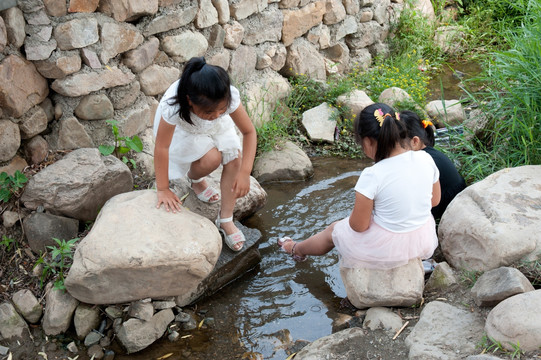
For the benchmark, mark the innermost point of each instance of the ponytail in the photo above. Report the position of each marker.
(380, 122)
(205, 85)
(424, 129)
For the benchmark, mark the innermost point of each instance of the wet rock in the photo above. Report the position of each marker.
(58, 311)
(320, 123)
(501, 220)
(287, 163)
(12, 325)
(86, 181)
(445, 332)
(499, 284)
(135, 334)
(173, 336)
(42, 228)
(27, 305)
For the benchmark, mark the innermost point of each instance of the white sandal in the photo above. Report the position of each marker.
(233, 239)
(206, 194)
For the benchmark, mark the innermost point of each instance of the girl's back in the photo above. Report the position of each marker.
(401, 187)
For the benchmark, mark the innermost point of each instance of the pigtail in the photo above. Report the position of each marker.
(391, 133)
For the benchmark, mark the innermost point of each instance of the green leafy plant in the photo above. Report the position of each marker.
(122, 146)
(61, 256)
(10, 185)
(7, 242)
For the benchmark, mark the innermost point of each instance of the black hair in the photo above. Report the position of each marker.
(388, 133)
(416, 127)
(205, 85)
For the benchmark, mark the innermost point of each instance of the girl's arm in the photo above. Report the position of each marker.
(436, 193)
(359, 219)
(161, 166)
(241, 185)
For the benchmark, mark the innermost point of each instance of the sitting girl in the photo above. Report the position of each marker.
(391, 221)
(421, 136)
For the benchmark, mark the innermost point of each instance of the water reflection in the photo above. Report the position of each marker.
(262, 314)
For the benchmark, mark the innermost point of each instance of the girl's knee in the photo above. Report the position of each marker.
(234, 164)
(211, 160)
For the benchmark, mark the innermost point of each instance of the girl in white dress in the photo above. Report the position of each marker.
(391, 221)
(195, 133)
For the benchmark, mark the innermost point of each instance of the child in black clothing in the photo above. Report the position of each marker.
(421, 135)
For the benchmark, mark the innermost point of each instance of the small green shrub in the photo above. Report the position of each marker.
(123, 145)
(10, 185)
(7, 242)
(61, 256)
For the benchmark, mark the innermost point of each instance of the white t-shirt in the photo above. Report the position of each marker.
(401, 187)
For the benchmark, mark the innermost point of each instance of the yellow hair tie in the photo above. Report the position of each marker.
(427, 123)
(380, 117)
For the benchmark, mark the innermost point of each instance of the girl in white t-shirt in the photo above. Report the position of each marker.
(195, 133)
(391, 221)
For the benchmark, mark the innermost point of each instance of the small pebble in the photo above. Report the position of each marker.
(72, 348)
(3, 350)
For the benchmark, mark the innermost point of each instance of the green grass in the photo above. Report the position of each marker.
(512, 99)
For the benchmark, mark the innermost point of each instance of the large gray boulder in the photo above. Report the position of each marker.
(494, 222)
(78, 185)
(517, 321)
(135, 251)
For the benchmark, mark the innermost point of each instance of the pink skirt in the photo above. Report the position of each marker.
(378, 248)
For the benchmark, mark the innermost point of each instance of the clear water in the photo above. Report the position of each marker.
(263, 314)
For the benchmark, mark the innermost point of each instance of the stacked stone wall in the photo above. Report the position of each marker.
(68, 66)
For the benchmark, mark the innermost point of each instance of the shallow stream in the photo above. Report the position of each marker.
(280, 302)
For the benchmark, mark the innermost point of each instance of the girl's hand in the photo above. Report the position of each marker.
(241, 185)
(169, 200)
